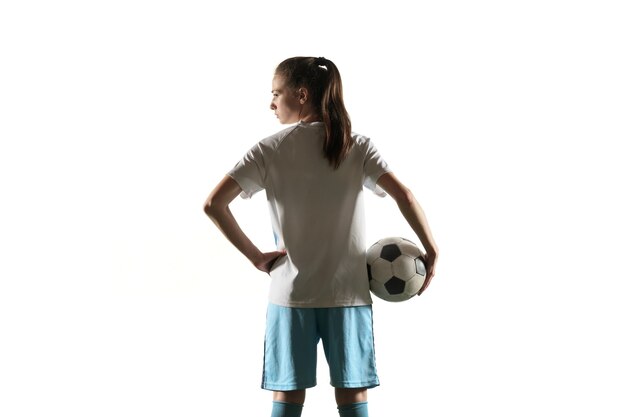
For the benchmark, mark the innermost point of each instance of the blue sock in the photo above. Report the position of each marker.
(281, 409)
(353, 410)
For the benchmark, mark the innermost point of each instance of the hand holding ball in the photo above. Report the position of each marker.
(395, 268)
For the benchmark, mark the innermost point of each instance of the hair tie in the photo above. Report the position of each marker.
(321, 62)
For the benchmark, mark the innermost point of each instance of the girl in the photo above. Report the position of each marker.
(313, 174)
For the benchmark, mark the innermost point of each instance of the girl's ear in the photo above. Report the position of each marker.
(303, 95)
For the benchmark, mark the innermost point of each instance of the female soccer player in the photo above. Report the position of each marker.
(313, 173)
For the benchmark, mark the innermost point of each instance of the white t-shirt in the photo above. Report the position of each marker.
(317, 214)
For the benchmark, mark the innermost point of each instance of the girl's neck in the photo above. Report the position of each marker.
(308, 114)
(310, 119)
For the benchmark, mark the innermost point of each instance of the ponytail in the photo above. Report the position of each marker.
(321, 77)
(335, 116)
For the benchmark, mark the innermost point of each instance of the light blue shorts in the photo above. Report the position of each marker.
(291, 339)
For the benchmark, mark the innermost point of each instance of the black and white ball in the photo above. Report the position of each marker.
(395, 268)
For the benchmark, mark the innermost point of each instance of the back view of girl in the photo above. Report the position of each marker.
(313, 174)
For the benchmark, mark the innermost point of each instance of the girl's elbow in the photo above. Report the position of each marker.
(218, 200)
(405, 197)
(210, 208)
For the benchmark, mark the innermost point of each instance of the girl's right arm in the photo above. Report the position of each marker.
(414, 215)
(216, 207)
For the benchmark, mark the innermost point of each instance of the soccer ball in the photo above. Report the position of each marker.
(395, 268)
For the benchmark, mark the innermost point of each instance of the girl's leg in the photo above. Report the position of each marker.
(351, 402)
(288, 403)
(293, 397)
(350, 395)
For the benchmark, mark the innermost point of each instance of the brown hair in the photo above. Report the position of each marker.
(321, 78)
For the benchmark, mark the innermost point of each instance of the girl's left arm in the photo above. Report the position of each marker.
(216, 207)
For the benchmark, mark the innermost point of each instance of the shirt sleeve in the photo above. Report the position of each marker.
(373, 167)
(249, 172)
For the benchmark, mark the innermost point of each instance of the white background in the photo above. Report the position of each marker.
(118, 297)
